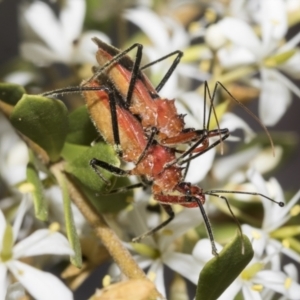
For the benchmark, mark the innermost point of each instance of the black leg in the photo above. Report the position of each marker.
(95, 163)
(171, 215)
(124, 189)
(149, 143)
(171, 69)
(204, 138)
(205, 150)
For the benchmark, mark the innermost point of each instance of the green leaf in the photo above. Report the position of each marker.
(73, 238)
(222, 270)
(42, 120)
(11, 93)
(40, 204)
(81, 129)
(78, 164)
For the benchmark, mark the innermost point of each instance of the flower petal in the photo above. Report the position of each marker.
(250, 294)
(151, 25)
(72, 17)
(22, 209)
(257, 237)
(233, 56)
(231, 291)
(157, 270)
(291, 271)
(3, 282)
(41, 285)
(39, 54)
(19, 77)
(225, 167)
(2, 228)
(200, 166)
(13, 154)
(241, 34)
(15, 291)
(292, 66)
(84, 51)
(275, 98)
(43, 21)
(184, 264)
(202, 251)
(233, 122)
(185, 220)
(287, 251)
(287, 82)
(273, 23)
(41, 242)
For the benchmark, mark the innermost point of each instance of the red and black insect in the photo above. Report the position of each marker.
(158, 164)
(154, 161)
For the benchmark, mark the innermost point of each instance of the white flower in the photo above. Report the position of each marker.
(166, 36)
(158, 250)
(41, 285)
(274, 217)
(257, 285)
(13, 154)
(59, 38)
(246, 49)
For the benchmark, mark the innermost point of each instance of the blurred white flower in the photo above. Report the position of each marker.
(15, 291)
(256, 283)
(274, 217)
(13, 154)
(48, 38)
(157, 251)
(41, 285)
(166, 36)
(267, 53)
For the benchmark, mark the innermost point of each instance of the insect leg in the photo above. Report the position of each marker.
(171, 215)
(179, 160)
(95, 163)
(169, 73)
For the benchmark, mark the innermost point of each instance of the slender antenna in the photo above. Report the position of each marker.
(212, 108)
(251, 114)
(281, 204)
(72, 89)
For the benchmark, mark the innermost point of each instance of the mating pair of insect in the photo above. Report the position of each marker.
(146, 130)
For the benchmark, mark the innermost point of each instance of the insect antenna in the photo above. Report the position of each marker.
(281, 204)
(251, 114)
(212, 108)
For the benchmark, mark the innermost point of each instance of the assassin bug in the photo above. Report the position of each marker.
(104, 104)
(142, 99)
(158, 164)
(117, 124)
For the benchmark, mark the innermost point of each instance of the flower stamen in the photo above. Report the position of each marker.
(257, 287)
(295, 210)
